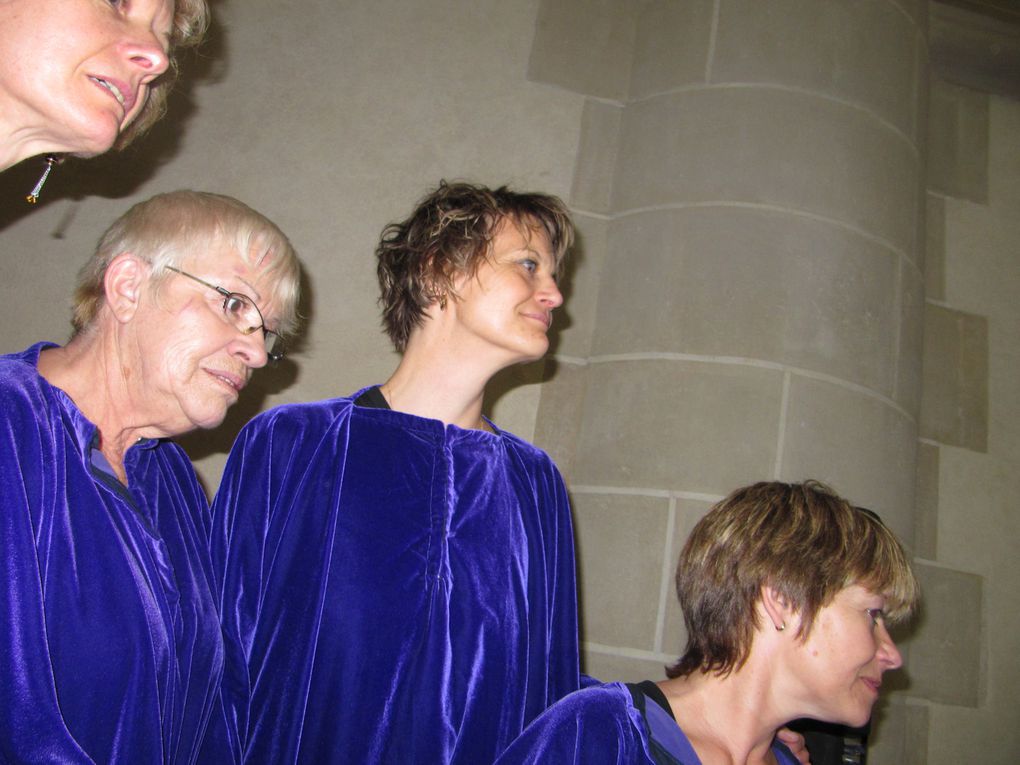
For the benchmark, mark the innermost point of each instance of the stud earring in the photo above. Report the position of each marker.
(50, 160)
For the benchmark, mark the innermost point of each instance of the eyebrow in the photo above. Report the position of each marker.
(254, 292)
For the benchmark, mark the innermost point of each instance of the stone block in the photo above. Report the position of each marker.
(954, 405)
(863, 53)
(958, 141)
(621, 541)
(584, 45)
(674, 633)
(678, 425)
(860, 445)
(761, 284)
(926, 503)
(907, 391)
(596, 157)
(935, 248)
(946, 644)
(762, 146)
(559, 413)
(899, 732)
(574, 321)
(672, 45)
(626, 669)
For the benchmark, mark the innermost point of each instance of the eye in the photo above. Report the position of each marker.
(530, 265)
(877, 615)
(235, 305)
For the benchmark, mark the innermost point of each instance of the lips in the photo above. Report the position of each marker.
(230, 380)
(121, 91)
(871, 683)
(543, 317)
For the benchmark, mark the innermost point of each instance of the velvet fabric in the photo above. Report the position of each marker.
(393, 590)
(109, 643)
(598, 725)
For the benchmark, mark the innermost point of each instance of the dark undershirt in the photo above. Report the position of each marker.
(372, 399)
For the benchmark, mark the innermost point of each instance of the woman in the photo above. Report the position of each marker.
(786, 591)
(78, 76)
(109, 639)
(398, 572)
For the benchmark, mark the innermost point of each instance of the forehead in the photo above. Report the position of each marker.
(512, 234)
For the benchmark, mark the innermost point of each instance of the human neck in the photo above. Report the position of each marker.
(89, 370)
(438, 385)
(728, 720)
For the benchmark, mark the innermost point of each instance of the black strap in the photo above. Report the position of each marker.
(638, 693)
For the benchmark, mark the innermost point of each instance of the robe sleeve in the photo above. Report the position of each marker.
(32, 728)
(594, 726)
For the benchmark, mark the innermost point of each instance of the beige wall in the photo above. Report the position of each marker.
(747, 300)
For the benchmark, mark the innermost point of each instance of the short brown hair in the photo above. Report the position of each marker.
(191, 20)
(449, 234)
(168, 228)
(801, 539)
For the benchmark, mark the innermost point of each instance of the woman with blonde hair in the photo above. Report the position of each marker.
(80, 76)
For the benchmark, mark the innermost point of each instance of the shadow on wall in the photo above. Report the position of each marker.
(116, 175)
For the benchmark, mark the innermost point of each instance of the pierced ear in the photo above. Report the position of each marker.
(123, 282)
(777, 607)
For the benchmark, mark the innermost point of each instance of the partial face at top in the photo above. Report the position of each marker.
(505, 310)
(840, 666)
(194, 361)
(76, 72)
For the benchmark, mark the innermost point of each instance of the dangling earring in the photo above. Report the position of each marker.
(780, 629)
(442, 302)
(50, 160)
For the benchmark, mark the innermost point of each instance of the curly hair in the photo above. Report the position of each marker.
(448, 235)
(800, 539)
(191, 20)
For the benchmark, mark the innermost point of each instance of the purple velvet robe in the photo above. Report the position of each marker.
(599, 726)
(393, 589)
(109, 644)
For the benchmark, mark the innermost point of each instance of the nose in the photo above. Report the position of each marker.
(250, 349)
(146, 52)
(888, 653)
(549, 294)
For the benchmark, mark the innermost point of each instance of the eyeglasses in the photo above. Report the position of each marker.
(241, 311)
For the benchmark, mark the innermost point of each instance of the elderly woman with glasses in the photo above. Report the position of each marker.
(80, 76)
(110, 647)
(786, 592)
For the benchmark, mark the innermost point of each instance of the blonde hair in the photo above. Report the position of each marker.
(168, 228)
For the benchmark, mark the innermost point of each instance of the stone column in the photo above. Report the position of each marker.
(749, 298)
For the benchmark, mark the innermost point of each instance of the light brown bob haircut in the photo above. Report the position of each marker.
(802, 540)
(448, 235)
(170, 229)
(191, 20)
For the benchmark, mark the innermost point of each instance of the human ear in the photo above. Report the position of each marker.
(123, 282)
(778, 608)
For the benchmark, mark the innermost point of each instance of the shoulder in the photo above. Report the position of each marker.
(534, 458)
(598, 724)
(23, 390)
(302, 419)
(605, 707)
